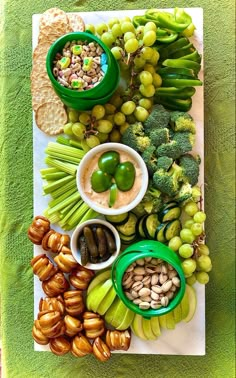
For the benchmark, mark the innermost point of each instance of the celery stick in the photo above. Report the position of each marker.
(89, 214)
(66, 209)
(45, 171)
(54, 176)
(56, 184)
(78, 215)
(76, 144)
(63, 189)
(54, 218)
(67, 201)
(65, 167)
(63, 140)
(59, 156)
(62, 197)
(65, 150)
(64, 220)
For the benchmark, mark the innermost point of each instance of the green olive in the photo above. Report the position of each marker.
(100, 181)
(109, 161)
(125, 176)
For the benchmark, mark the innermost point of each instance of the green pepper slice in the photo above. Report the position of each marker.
(180, 93)
(108, 161)
(100, 181)
(113, 195)
(170, 37)
(125, 176)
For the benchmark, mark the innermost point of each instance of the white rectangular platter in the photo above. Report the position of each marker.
(187, 338)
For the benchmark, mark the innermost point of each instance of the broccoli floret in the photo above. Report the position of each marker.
(188, 193)
(164, 162)
(159, 136)
(190, 166)
(181, 121)
(168, 182)
(134, 137)
(171, 149)
(152, 201)
(150, 159)
(158, 119)
(185, 141)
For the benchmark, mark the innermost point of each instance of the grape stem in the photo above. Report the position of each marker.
(91, 128)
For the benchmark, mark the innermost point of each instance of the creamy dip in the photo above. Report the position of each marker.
(102, 199)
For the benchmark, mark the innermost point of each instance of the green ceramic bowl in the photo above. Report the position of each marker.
(99, 94)
(147, 248)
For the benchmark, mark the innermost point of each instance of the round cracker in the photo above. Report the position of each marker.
(52, 15)
(39, 80)
(76, 22)
(50, 117)
(44, 94)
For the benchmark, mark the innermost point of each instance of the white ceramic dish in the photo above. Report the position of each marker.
(75, 249)
(83, 178)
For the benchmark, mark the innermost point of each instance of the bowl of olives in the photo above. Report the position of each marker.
(112, 178)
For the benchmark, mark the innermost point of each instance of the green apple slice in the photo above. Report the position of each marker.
(155, 326)
(147, 329)
(162, 321)
(107, 301)
(100, 277)
(100, 294)
(109, 315)
(127, 320)
(137, 328)
(90, 297)
(192, 298)
(119, 314)
(170, 321)
(177, 312)
(185, 305)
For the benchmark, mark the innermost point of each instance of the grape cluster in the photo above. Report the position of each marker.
(190, 246)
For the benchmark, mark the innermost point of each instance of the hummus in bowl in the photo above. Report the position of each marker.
(125, 200)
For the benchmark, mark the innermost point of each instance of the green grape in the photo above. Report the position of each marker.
(109, 108)
(113, 21)
(108, 39)
(85, 118)
(92, 141)
(68, 129)
(73, 116)
(117, 52)
(128, 35)
(116, 31)
(124, 127)
(155, 57)
(208, 269)
(90, 27)
(146, 53)
(191, 208)
(196, 193)
(149, 38)
(141, 114)
(119, 118)
(79, 130)
(202, 277)
(131, 119)
(157, 80)
(186, 251)
(115, 136)
(145, 78)
(187, 235)
(98, 111)
(203, 249)
(188, 223)
(199, 217)
(204, 262)
(84, 145)
(139, 32)
(148, 67)
(125, 19)
(104, 126)
(102, 137)
(131, 45)
(127, 26)
(128, 107)
(189, 266)
(110, 117)
(191, 279)
(147, 90)
(116, 100)
(150, 26)
(197, 229)
(175, 243)
(145, 103)
(139, 62)
(101, 28)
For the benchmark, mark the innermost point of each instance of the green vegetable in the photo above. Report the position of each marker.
(159, 136)
(113, 195)
(100, 181)
(182, 121)
(182, 63)
(190, 165)
(151, 202)
(172, 103)
(158, 118)
(108, 161)
(168, 182)
(170, 72)
(168, 38)
(150, 159)
(171, 150)
(125, 176)
(134, 136)
(176, 93)
(177, 22)
(180, 83)
(164, 162)
(185, 141)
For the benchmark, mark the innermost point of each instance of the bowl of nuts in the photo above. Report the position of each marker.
(81, 68)
(95, 244)
(148, 278)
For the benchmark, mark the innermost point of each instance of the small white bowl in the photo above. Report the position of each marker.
(75, 248)
(89, 163)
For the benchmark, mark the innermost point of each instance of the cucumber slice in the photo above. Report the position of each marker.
(127, 239)
(117, 219)
(160, 233)
(171, 214)
(150, 225)
(164, 211)
(139, 227)
(129, 227)
(172, 229)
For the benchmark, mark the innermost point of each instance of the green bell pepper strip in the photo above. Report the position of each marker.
(113, 195)
(182, 63)
(180, 93)
(166, 51)
(194, 56)
(181, 16)
(175, 103)
(170, 37)
(179, 71)
(139, 20)
(168, 21)
(179, 83)
(188, 49)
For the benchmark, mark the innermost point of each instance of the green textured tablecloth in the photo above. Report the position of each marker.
(16, 206)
